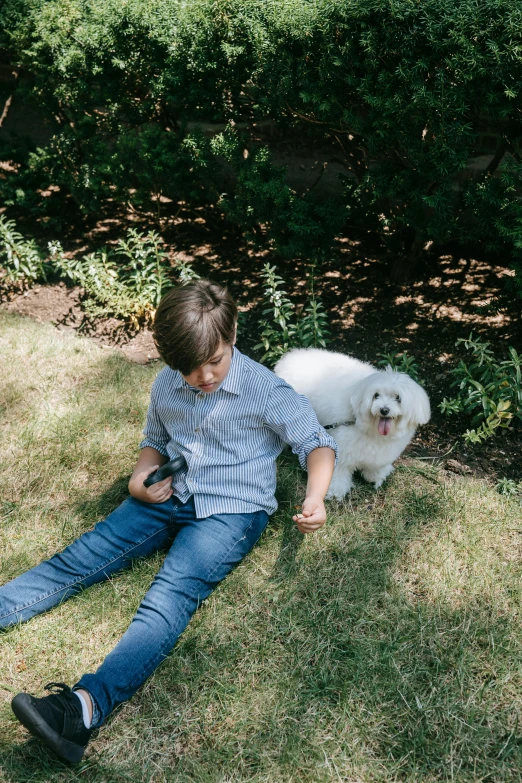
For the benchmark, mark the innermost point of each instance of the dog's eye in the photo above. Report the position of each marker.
(376, 395)
(397, 398)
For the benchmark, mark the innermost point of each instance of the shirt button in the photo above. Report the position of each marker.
(197, 429)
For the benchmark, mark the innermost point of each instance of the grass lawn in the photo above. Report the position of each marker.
(386, 647)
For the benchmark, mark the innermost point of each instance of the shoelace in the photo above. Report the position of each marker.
(61, 693)
(58, 688)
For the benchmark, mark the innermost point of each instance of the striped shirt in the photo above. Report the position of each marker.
(231, 437)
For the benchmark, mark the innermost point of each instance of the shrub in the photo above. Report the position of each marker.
(118, 83)
(405, 90)
(20, 261)
(400, 362)
(266, 208)
(402, 93)
(509, 487)
(127, 282)
(489, 390)
(286, 326)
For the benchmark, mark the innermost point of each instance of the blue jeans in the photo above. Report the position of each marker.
(202, 552)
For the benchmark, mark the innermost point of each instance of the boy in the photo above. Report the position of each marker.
(228, 417)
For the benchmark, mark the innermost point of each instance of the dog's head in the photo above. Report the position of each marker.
(390, 403)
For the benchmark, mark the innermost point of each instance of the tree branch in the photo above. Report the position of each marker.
(5, 112)
(495, 160)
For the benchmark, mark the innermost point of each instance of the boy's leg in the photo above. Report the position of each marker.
(203, 553)
(134, 529)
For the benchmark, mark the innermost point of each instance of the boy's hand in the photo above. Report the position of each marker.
(312, 516)
(157, 493)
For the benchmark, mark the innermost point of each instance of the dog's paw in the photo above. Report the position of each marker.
(378, 478)
(338, 489)
(332, 496)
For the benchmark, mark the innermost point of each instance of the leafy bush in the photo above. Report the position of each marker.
(285, 326)
(400, 362)
(20, 260)
(509, 487)
(127, 282)
(488, 389)
(402, 93)
(405, 91)
(265, 207)
(118, 83)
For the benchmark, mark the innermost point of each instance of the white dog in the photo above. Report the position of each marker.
(372, 414)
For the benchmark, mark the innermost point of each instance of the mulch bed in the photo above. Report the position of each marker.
(455, 292)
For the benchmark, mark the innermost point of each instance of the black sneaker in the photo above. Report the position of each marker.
(56, 719)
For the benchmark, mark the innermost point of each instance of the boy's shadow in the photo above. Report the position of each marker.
(30, 760)
(94, 509)
(286, 565)
(290, 486)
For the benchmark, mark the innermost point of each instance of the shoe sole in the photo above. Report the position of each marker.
(29, 717)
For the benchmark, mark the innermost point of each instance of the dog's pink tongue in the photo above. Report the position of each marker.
(384, 425)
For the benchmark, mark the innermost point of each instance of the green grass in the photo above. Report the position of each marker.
(387, 647)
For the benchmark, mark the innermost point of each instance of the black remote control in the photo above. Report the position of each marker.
(168, 469)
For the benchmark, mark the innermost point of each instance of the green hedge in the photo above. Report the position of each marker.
(401, 90)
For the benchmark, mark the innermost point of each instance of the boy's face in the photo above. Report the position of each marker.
(211, 375)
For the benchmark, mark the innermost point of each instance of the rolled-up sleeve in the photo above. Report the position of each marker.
(156, 434)
(292, 417)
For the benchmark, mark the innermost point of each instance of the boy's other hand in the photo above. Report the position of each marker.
(157, 493)
(312, 516)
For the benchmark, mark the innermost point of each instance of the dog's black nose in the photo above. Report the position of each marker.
(385, 411)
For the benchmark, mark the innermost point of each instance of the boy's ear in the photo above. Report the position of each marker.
(235, 333)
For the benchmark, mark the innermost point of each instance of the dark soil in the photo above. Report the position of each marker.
(455, 292)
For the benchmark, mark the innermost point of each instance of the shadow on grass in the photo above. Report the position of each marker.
(104, 504)
(424, 680)
(291, 485)
(369, 673)
(33, 763)
(346, 664)
(91, 510)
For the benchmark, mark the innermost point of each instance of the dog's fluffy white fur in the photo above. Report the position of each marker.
(385, 406)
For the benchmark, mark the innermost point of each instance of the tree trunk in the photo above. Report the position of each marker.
(405, 264)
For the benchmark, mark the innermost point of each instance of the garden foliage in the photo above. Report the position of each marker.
(402, 93)
(126, 281)
(489, 390)
(129, 279)
(286, 326)
(21, 262)
(400, 362)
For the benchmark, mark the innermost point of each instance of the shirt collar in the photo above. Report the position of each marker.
(232, 382)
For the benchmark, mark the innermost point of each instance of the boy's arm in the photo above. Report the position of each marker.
(153, 455)
(149, 460)
(320, 463)
(292, 417)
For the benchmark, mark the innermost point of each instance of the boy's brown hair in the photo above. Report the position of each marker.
(190, 323)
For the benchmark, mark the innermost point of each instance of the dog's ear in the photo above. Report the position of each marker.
(418, 409)
(357, 405)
